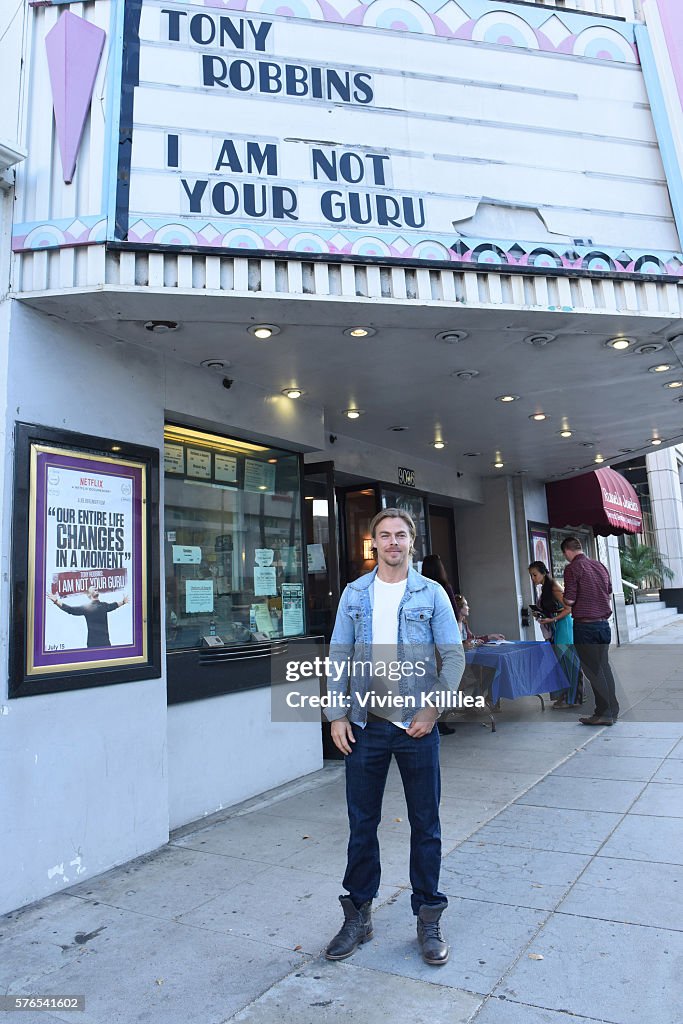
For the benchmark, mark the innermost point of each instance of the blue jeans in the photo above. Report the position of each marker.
(592, 640)
(366, 775)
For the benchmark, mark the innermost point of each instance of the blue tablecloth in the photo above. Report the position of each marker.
(521, 669)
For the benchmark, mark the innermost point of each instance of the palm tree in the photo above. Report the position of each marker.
(640, 562)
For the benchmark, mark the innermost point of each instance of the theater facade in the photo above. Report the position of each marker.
(266, 270)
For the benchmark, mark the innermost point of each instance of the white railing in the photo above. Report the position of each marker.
(630, 10)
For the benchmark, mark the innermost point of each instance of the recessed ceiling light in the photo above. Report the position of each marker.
(292, 392)
(263, 331)
(620, 343)
(599, 458)
(507, 398)
(272, 461)
(451, 337)
(540, 340)
(471, 455)
(587, 444)
(679, 399)
(353, 414)
(161, 326)
(648, 348)
(659, 368)
(217, 364)
(565, 433)
(539, 417)
(359, 332)
(398, 430)
(498, 464)
(465, 374)
(656, 440)
(438, 444)
(116, 447)
(626, 451)
(674, 384)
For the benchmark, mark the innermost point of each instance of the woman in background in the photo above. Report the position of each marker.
(556, 616)
(433, 569)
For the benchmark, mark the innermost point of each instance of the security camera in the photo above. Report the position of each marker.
(333, 438)
(228, 383)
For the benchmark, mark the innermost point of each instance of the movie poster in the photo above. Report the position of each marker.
(87, 581)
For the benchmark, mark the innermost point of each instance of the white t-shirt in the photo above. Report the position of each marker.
(386, 600)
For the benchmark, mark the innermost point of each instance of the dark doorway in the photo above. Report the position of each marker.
(320, 530)
(443, 541)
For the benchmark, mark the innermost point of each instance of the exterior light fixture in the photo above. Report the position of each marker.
(353, 414)
(540, 340)
(451, 337)
(660, 368)
(649, 348)
(368, 551)
(620, 343)
(161, 326)
(438, 444)
(656, 441)
(292, 392)
(465, 374)
(599, 458)
(674, 384)
(507, 398)
(498, 464)
(471, 455)
(565, 433)
(539, 417)
(360, 332)
(587, 444)
(263, 331)
(116, 447)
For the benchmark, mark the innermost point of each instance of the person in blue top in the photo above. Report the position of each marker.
(557, 618)
(392, 616)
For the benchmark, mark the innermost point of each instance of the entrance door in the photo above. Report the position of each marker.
(321, 541)
(357, 506)
(443, 541)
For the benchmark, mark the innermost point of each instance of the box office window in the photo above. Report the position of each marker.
(232, 541)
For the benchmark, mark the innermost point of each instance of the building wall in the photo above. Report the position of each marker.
(94, 777)
(664, 478)
(488, 560)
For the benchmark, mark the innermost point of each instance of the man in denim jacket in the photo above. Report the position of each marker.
(392, 617)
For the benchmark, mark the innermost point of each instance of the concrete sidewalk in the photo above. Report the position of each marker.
(563, 855)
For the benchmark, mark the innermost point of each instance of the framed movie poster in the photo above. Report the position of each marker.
(85, 562)
(539, 544)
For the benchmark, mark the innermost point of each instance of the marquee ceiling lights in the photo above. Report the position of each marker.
(565, 433)
(674, 384)
(540, 340)
(263, 331)
(161, 326)
(451, 337)
(465, 374)
(507, 398)
(353, 414)
(619, 343)
(360, 332)
(659, 368)
(498, 463)
(539, 417)
(217, 365)
(599, 458)
(438, 444)
(293, 392)
(656, 441)
(587, 444)
(648, 348)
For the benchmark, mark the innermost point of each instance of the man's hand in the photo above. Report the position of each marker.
(53, 597)
(423, 723)
(125, 600)
(342, 735)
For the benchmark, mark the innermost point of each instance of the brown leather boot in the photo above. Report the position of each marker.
(433, 946)
(357, 928)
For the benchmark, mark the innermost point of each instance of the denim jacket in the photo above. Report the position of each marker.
(425, 621)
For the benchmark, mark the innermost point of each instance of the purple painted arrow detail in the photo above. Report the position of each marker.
(74, 48)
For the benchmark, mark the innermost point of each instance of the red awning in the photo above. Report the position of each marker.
(603, 500)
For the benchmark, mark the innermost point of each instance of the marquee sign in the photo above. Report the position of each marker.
(309, 132)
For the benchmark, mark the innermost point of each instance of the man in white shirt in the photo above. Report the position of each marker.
(388, 618)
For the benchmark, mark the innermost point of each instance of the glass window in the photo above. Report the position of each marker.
(415, 506)
(232, 541)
